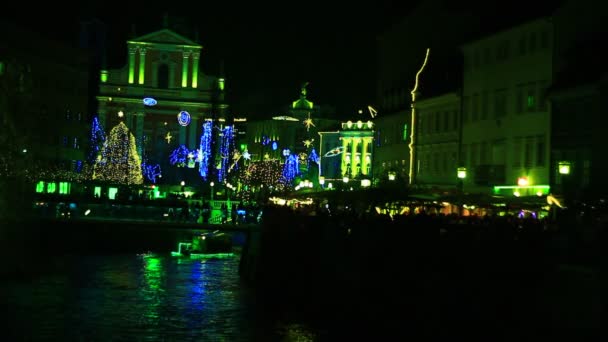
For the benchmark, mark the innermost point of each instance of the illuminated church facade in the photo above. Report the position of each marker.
(162, 96)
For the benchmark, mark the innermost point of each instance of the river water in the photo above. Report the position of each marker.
(149, 297)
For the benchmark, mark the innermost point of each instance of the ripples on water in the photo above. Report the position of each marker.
(151, 297)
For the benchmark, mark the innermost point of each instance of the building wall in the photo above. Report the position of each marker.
(391, 152)
(506, 117)
(43, 99)
(437, 143)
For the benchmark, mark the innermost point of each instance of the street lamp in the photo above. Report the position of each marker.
(564, 167)
(461, 173)
(212, 184)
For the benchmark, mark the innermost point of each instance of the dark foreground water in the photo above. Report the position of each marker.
(151, 297)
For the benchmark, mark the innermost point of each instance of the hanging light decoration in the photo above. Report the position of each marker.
(183, 118)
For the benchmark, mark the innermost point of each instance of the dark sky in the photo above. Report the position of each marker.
(268, 50)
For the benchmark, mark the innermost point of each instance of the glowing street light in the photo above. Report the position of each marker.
(461, 173)
(564, 167)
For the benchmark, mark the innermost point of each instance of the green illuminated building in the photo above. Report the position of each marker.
(438, 132)
(162, 66)
(506, 118)
(294, 127)
(347, 154)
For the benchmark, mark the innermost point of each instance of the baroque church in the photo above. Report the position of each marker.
(162, 95)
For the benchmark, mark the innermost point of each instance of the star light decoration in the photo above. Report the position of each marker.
(246, 155)
(308, 143)
(308, 122)
(168, 137)
(372, 111)
(235, 159)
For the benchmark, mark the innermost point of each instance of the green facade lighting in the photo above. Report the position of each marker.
(40, 187)
(405, 132)
(221, 84)
(195, 73)
(131, 67)
(97, 191)
(518, 190)
(64, 188)
(112, 193)
(142, 67)
(530, 101)
(185, 71)
(103, 76)
(51, 187)
(243, 147)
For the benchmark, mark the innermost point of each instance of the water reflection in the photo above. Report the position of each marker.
(138, 298)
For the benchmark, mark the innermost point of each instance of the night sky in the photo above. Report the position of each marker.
(268, 50)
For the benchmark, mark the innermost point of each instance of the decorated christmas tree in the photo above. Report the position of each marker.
(119, 161)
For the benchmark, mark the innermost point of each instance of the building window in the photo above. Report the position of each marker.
(586, 172)
(75, 143)
(474, 157)
(528, 153)
(487, 56)
(544, 39)
(466, 105)
(475, 109)
(437, 121)
(517, 152)
(484, 153)
(64, 141)
(464, 161)
(519, 99)
(163, 76)
(503, 51)
(532, 42)
(500, 103)
(484, 105)
(522, 45)
(540, 151)
(68, 115)
(531, 98)
(542, 95)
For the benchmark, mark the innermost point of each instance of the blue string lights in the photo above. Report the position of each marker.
(225, 148)
(179, 156)
(291, 168)
(204, 151)
(96, 140)
(151, 171)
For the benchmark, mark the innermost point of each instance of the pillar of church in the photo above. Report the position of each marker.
(353, 158)
(132, 65)
(195, 59)
(185, 69)
(142, 65)
(345, 156)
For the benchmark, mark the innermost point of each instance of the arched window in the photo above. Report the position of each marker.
(163, 76)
